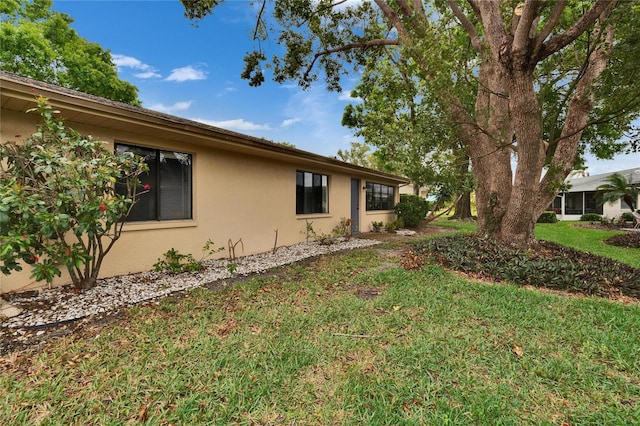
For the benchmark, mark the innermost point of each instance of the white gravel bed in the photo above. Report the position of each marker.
(59, 306)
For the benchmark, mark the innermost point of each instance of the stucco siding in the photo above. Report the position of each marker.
(235, 195)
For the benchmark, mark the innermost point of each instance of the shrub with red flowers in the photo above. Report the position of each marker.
(58, 203)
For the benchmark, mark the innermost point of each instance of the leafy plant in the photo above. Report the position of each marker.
(377, 226)
(412, 209)
(619, 188)
(343, 229)
(591, 217)
(394, 225)
(548, 217)
(232, 267)
(548, 265)
(175, 262)
(626, 217)
(59, 206)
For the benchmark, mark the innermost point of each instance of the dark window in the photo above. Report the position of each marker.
(380, 197)
(170, 179)
(573, 203)
(312, 193)
(593, 202)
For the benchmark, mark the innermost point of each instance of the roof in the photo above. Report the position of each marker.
(18, 93)
(591, 183)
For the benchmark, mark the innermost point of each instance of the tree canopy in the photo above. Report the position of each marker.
(530, 83)
(38, 42)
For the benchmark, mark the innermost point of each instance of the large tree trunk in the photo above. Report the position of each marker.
(462, 207)
(509, 120)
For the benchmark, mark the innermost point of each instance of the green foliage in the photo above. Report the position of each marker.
(377, 226)
(618, 187)
(549, 265)
(232, 267)
(359, 155)
(175, 262)
(591, 217)
(343, 229)
(59, 206)
(394, 225)
(548, 217)
(412, 209)
(39, 43)
(626, 217)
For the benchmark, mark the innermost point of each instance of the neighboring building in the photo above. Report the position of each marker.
(211, 183)
(582, 197)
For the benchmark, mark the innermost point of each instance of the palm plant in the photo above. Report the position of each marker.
(618, 187)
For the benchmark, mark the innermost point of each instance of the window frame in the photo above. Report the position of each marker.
(312, 192)
(377, 199)
(157, 186)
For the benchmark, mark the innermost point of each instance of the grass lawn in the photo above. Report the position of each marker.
(349, 338)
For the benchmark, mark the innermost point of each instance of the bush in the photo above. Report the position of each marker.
(377, 226)
(394, 226)
(591, 217)
(627, 217)
(412, 210)
(548, 217)
(59, 205)
(547, 265)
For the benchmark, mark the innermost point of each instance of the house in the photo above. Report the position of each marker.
(212, 183)
(582, 197)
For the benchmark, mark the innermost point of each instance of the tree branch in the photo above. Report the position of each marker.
(466, 23)
(347, 47)
(521, 35)
(561, 40)
(259, 20)
(549, 25)
(395, 20)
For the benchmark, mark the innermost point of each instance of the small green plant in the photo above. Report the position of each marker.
(377, 226)
(412, 209)
(394, 225)
(232, 267)
(548, 217)
(591, 217)
(176, 262)
(343, 229)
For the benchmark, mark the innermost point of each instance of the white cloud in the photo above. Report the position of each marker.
(148, 74)
(290, 121)
(226, 91)
(123, 61)
(178, 106)
(187, 73)
(239, 124)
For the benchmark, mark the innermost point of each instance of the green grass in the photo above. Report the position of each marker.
(568, 234)
(349, 339)
(589, 240)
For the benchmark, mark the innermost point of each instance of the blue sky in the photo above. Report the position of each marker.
(194, 72)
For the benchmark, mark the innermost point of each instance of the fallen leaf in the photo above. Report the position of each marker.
(517, 350)
(142, 414)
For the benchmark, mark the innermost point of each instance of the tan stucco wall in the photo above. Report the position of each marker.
(234, 196)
